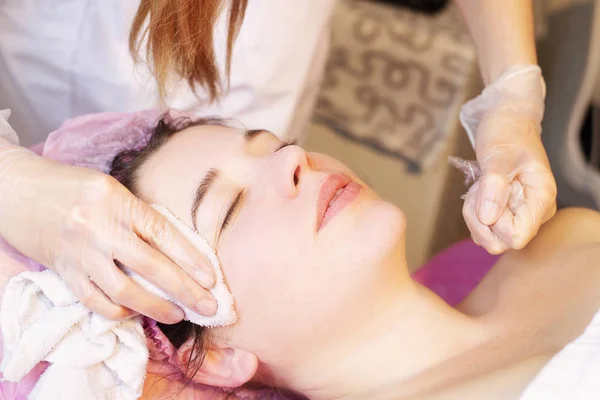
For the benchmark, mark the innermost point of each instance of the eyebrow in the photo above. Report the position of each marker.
(252, 134)
(213, 174)
(205, 185)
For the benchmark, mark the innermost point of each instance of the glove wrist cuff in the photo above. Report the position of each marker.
(520, 89)
(13, 161)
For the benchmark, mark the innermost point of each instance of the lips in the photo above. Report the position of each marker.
(337, 192)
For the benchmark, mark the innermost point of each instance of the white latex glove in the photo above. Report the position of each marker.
(79, 222)
(504, 125)
(6, 131)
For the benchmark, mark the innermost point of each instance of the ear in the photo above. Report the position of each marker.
(223, 366)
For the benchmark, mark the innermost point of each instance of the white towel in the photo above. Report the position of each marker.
(225, 314)
(91, 357)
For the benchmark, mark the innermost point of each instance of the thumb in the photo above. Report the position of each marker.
(497, 156)
(497, 172)
(492, 197)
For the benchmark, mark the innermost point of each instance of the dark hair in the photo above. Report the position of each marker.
(126, 164)
(125, 167)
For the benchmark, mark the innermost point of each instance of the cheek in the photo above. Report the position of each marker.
(260, 258)
(269, 267)
(288, 284)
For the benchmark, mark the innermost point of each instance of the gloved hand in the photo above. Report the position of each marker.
(504, 125)
(78, 222)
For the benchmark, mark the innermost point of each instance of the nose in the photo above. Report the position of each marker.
(292, 167)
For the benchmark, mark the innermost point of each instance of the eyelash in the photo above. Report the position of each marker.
(231, 210)
(286, 144)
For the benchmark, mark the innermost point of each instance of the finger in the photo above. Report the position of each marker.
(481, 234)
(517, 195)
(540, 188)
(518, 227)
(509, 229)
(156, 230)
(93, 298)
(122, 290)
(492, 197)
(551, 212)
(505, 228)
(153, 266)
(530, 207)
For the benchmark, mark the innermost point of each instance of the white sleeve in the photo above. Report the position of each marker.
(572, 374)
(6, 131)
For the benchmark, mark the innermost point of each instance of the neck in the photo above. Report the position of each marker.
(412, 332)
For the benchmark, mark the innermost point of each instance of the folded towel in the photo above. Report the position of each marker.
(225, 314)
(90, 357)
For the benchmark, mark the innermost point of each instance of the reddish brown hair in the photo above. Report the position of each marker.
(180, 40)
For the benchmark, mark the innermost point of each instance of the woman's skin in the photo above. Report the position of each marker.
(333, 313)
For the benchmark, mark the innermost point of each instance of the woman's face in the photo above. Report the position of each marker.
(304, 268)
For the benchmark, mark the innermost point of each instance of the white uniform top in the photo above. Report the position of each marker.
(64, 58)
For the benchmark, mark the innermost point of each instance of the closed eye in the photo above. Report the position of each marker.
(249, 136)
(234, 206)
(286, 144)
(254, 134)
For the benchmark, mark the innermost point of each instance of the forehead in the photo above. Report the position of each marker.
(171, 175)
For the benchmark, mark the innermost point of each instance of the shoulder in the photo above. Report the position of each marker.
(554, 282)
(570, 226)
(566, 249)
(570, 231)
(544, 295)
